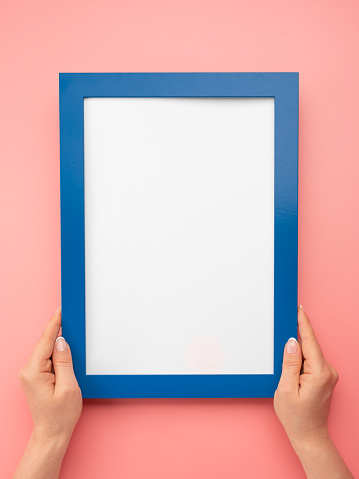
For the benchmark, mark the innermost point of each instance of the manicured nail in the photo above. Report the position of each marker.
(58, 309)
(301, 307)
(292, 346)
(60, 344)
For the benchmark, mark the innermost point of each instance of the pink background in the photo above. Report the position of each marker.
(179, 438)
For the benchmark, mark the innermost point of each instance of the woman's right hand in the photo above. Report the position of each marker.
(302, 401)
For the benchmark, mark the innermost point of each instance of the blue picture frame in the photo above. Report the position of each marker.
(73, 88)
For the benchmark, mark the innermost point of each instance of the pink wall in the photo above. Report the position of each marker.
(135, 439)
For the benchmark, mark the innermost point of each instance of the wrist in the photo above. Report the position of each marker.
(312, 444)
(54, 443)
(43, 457)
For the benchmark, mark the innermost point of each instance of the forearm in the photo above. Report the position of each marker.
(42, 459)
(321, 460)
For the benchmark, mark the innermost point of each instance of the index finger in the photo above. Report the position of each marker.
(310, 347)
(43, 349)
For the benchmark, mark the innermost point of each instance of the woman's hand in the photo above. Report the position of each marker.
(302, 403)
(55, 402)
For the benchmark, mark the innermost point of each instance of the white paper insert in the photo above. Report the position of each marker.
(179, 235)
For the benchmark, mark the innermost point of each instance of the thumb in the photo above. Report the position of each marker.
(292, 364)
(62, 363)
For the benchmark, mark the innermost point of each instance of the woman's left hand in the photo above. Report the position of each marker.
(55, 402)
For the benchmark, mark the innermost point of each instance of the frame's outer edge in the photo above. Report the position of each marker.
(73, 87)
(72, 222)
(286, 218)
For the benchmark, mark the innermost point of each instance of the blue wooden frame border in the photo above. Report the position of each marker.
(74, 87)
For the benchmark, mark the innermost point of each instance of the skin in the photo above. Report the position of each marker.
(55, 402)
(301, 402)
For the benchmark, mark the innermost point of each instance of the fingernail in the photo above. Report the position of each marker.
(60, 344)
(292, 346)
(301, 307)
(58, 309)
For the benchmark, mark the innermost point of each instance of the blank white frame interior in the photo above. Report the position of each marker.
(179, 235)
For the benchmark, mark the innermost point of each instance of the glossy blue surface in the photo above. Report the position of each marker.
(73, 88)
